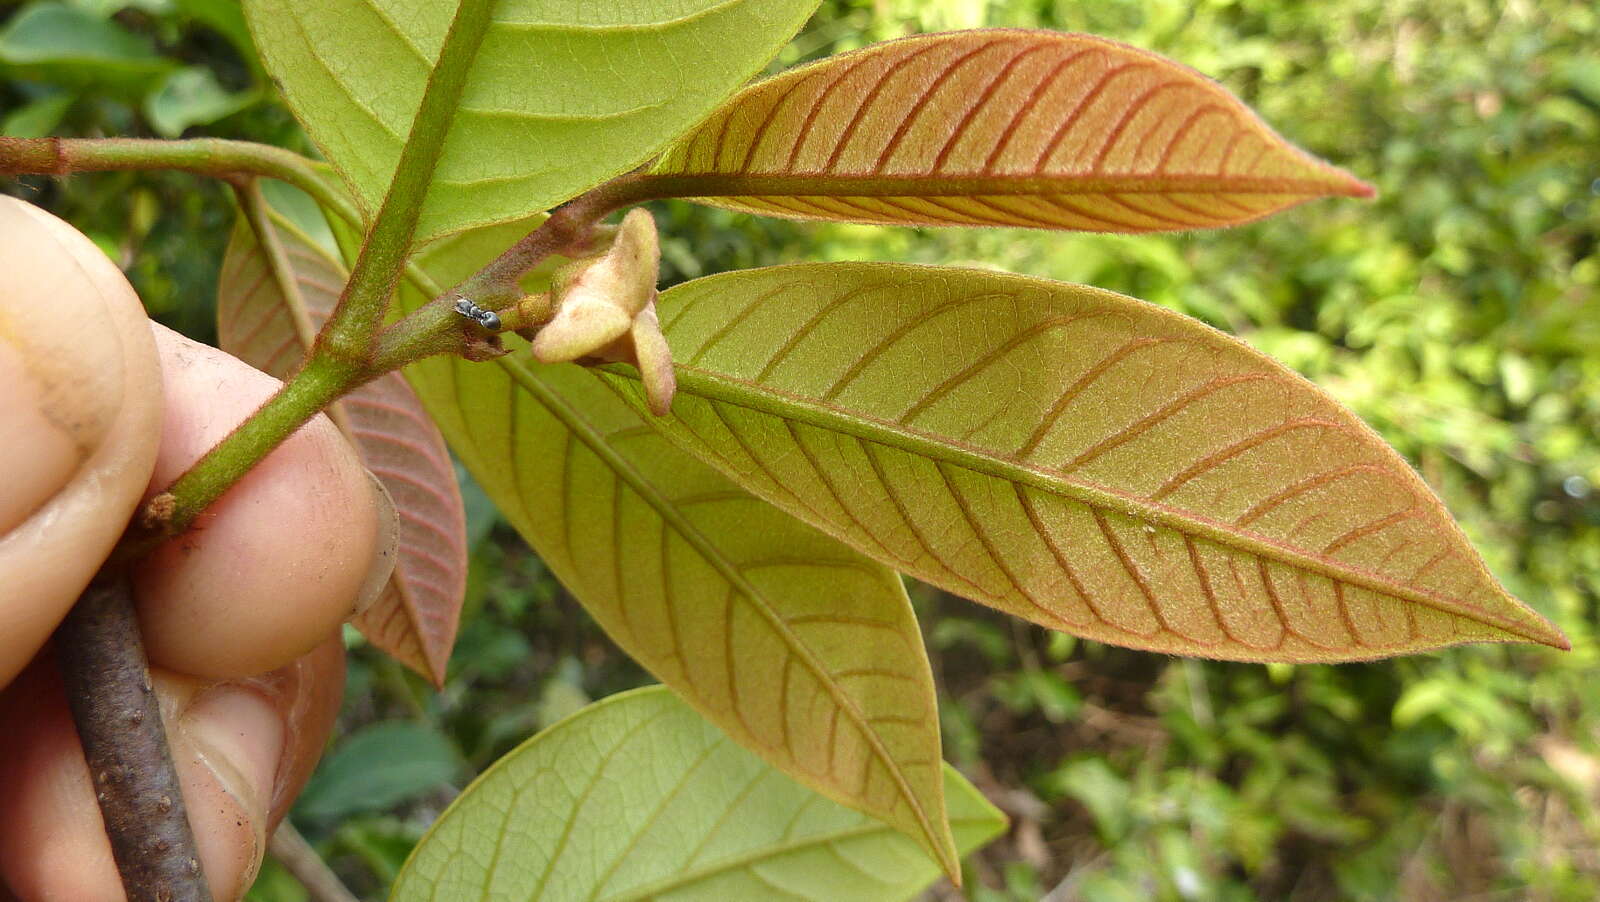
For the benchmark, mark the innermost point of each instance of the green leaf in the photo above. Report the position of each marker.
(381, 843)
(302, 212)
(1101, 790)
(637, 797)
(377, 767)
(559, 97)
(68, 46)
(1092, 463)
(227, 19)
(37, 118)
(192, 96)
(275, 884)
(108, 8)
(797, 646)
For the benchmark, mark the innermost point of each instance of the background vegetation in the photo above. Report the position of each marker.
(1459, 314)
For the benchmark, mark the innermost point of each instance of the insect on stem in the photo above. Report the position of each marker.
(485, 318)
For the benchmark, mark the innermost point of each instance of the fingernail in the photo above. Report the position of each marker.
(387, 550)
(239, 734)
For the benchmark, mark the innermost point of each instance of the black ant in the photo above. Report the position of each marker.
(485, 318)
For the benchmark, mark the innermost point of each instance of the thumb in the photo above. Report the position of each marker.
(80, 419)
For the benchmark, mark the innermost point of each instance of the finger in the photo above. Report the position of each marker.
(80, 413)
(242, 749)
(294, 548)
(308, 694)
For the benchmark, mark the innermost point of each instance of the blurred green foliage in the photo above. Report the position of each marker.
(1459, 314)
(147, 68)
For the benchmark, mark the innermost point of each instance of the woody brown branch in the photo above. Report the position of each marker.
(114, 705)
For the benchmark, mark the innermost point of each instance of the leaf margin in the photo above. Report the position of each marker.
(668, 178)
(992, 819)
(696, 384)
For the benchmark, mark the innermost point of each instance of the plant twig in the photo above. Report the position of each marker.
(341, 358)
(317, 385)
(353, 324)
(572, 230)
(119, 723)
(568, 230)
(217, 157)
(299, 859)
(102, 656)
(264, 223)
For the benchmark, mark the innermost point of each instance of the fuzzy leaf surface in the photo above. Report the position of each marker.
(270, 325)
(997, 127)
(798, 646)
(1093, 463)
(638, 797)
(560, 96)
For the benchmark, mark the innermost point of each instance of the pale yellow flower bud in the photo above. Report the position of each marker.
(597, 298)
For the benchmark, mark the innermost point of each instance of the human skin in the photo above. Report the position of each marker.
(99, 409)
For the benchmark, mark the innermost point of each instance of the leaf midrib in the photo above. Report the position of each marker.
(822, 184)
(621, 27)
(596, 443)
(722, 388)
(686, 878)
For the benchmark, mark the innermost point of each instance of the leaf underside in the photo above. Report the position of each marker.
(1092, 463)
(271, 326)
(997, 127)
(637, 797)
(799, 647)
(560, 96)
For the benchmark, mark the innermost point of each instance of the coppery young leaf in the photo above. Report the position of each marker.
(997, 127)
(1090, 462)
(270, 325)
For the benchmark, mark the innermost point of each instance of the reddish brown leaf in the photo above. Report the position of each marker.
(268, 320)
(1090, 462)
(997, 127)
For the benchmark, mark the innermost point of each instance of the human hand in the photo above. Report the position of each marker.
(100, 409)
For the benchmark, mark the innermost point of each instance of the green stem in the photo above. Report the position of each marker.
(567, 231)
(317, 385)
(571, 230)
(300, 859)
(339, 360)
(354, 324)
(349, 351)
(204, 156)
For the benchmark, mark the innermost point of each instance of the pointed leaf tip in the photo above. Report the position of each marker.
(1542, 631)
(1077, 458)
(997, 128)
